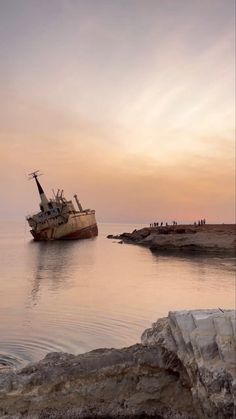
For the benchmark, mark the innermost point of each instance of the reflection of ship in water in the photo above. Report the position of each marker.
(58, 218)
(53, 265)
(51, 262)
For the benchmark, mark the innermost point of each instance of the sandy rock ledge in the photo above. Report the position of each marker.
(184, 367)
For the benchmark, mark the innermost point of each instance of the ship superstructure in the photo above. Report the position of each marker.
(59, 219)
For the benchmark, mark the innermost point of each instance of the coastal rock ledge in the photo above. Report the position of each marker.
(184, 367)
(207, 239)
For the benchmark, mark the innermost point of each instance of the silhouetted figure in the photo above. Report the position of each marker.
(161, 224)
(166, 224)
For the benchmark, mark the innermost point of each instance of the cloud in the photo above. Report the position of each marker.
(132, 108)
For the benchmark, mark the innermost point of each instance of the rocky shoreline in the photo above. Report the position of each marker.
(210, 239)
(184, 367)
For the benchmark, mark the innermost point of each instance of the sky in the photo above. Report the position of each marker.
(128, 103)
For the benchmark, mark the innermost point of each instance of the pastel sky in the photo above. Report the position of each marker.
(128, 103)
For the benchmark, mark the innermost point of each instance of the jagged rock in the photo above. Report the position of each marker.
(184, 368)
(111, 236)
(204, 341)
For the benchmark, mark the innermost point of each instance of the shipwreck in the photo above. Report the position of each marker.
(58, 219)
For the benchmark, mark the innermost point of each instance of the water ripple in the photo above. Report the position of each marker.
(78, 296)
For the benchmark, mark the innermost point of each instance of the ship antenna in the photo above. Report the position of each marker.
(34, 174)
(44, 200)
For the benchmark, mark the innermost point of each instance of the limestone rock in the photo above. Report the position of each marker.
(204, 341)
(184, 368)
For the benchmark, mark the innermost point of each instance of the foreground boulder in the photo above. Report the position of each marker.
(205, 344)
(184, 368)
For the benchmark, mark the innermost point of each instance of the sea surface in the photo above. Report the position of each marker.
(76, 296)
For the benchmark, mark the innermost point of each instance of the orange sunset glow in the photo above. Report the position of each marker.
(130, 104)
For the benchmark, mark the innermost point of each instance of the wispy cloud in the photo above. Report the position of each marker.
(133, 106)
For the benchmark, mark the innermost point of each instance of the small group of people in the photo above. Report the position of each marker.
(156, 224)
(200, 222)
(162, 224)
(196, 223)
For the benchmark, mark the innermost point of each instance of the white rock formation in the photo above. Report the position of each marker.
(205, 343)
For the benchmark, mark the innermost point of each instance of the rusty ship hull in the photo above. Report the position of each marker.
(78, 226)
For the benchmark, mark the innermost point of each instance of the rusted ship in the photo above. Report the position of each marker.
(58, 219)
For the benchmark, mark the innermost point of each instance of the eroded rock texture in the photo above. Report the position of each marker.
(184, 368)
(204, 342)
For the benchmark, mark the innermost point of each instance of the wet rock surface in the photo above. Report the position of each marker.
(218, 238)
(184, 367)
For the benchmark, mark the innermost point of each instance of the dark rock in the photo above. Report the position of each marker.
(180, 230)
(111, 236)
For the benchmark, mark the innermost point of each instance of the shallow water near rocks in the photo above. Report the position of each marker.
(80, 295)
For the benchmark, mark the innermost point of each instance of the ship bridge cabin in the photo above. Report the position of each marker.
(55, 211)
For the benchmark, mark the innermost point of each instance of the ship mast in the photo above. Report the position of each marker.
(44, 201)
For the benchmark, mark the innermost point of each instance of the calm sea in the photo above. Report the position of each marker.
(80, 295)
